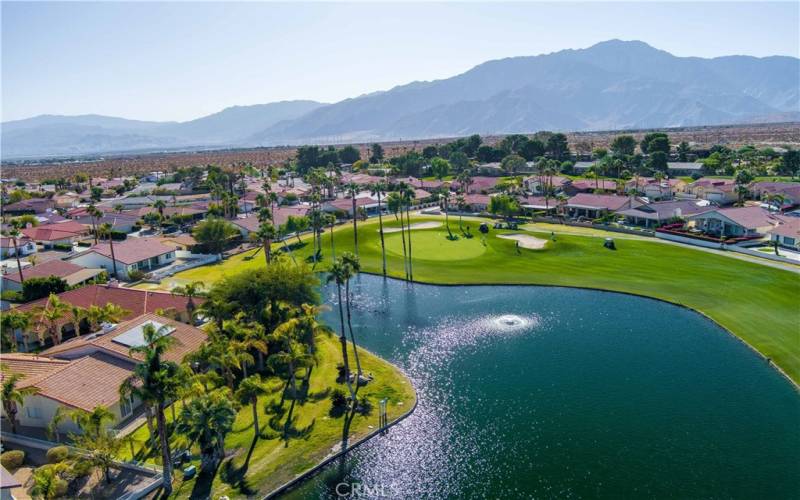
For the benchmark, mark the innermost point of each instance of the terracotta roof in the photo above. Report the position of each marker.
(346, 204)
(187, 339)
(478, 184)
(59, 268)
(748, 217)
(5, 242)
(477, 199)
(32, 367)
(590, 185)
(537, 201)
(56, 231)
(35, 205)
(131, 250)
(604, 201)
(136, 301)
(663, 210)
(789, 227)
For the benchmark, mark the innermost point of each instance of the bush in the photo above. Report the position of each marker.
(38, 287)
(11, 296)
(81, 468)
(62, 246)
(12, 459)
(118, 235)
(57, 454)
(136, 275)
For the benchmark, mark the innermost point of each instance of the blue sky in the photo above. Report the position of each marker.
(180, 60)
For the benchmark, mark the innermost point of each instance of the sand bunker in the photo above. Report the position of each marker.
(418, 225)
(525, 240)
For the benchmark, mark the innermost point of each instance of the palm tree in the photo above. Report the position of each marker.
(155, 383)
(408, 197)
(52, 312)
(352, 189)
(206, 420)
(395, 204)
(100, 442)
(338, 274)
(77, 314)
(352, 267)
(248, 392)
(13, 396)
(190, 291)
(444, 199)
(331, 220)
(59, 416)
(775, 200)
(106, 230)
(549, 171)
(11, 322)
(95, 214)
(13, 233)
(377, 189)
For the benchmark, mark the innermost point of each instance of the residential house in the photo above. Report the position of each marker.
(60, 233)
(280, 215)
(478, 184)
(120, 221)
(73, 274)
(25, 245)
(735, 222)
(590, 186)
(134, 302)
(662, 212)
(719, 191)
(477, 202)
(29, 206)
(594, 206)
(133, 254)
(787, 233)
(346, 205)
(87, 371)
(538, 203)
(534, 183)
(655, 190)
(789, 190)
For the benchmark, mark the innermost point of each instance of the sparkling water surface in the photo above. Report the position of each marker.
(539, 392)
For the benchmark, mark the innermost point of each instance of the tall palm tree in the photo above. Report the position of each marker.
(353, 189)
(160, 205)
(106, 230)
(190, 291)
(13, 396)
(95, 214)
(77, 315)
(248, 392)
(292, 354)
(330, 219)
(154, 382)
(206, 420)
(52, 312)
(338, 274)
(378, 189)
(61, 414)
(395, 204)
(408, 197)
(775, 200)
(13, 233)
(11, 322)
(444, 199)
(265, 234)
(352, 267)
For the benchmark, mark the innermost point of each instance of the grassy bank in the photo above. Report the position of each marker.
(294, 437)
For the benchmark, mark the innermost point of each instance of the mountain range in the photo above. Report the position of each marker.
(608, 86)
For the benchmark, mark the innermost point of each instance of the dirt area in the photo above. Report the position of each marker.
(418, 225)
(525, 240)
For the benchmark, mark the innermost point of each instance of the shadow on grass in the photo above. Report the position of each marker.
(235, 476)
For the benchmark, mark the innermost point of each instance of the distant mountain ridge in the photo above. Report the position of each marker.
(611, 85)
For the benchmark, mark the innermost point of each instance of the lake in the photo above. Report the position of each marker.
(577, 393)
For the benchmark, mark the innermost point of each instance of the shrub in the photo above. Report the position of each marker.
(47, 482)
(57, 454)
(118, 235)
(62, 246)
(81, 468)
(136, 275)
(38, 287)
(11, 296)
(12, 459)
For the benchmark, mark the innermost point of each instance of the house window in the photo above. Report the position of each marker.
(33, 412)
(788, 241)
(126, 406)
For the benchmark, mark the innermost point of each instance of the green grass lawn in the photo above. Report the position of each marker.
(254, 468)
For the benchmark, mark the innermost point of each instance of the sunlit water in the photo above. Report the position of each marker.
(553, 392)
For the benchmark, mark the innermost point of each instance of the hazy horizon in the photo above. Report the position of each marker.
(181, 61)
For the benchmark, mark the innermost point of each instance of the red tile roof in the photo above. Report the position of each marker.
(58, 268)
(789, 227)
(56, 231)
(602, 201)
(131, 250)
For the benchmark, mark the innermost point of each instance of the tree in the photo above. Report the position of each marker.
(742, 179)
(100, 442)
(377, 189)
(349, 154)
(248, 392)
(472, 144)
(533, 149)
(352, 190)
(440, 168)
(790, 162)
(214, 233)
(486, 154)
(11, 322)
(513, 164)
(558, 147)
(683, 151)
(160, 206)
(52, 312)
(657, 161)
(394, 203)
(428, 152)
(353, 267)
(38, 287)
(108, 313)
(155, 382)
(266, 233)
(106, 230)
(339, 274)
(407, 195)
(623, 145)
(14, 396)
(206, 420)
(504, 205)
(655, 141)
(13, 233)
(49, 482)
(459, 161)
(190, 291)
(377, 153)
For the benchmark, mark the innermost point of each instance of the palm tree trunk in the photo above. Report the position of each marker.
(403, 237)
(16, 256)
(355, 224)
(333, 245)
(350, 328)
(255, 417)
(148, 410)
(267, 250)
(343, 341)
(166, 457)
(380, 230)
(408, 219)
(113, 257)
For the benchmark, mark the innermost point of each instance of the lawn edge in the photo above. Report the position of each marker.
(309, 473)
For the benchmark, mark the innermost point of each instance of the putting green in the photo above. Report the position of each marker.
(434, 245)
